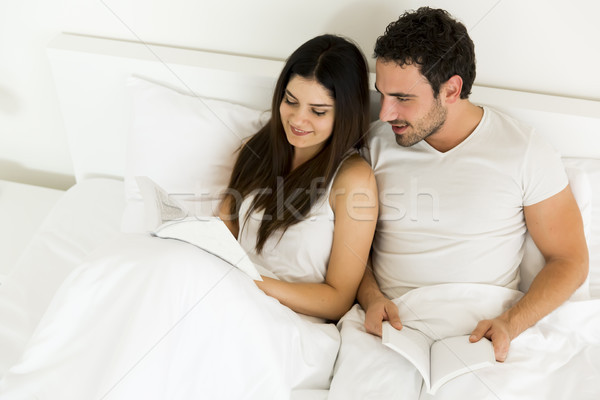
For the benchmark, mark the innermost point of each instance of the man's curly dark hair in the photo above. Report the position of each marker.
(435, 41)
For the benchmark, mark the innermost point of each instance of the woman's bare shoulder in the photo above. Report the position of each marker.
(355, 182)
(355, 171)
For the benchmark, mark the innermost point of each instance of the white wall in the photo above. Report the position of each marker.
(545, 46)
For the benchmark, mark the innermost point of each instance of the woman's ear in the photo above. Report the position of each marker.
(450, 90)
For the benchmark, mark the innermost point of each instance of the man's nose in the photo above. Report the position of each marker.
(387, 112)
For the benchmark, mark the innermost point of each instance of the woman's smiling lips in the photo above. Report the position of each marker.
(298, 132)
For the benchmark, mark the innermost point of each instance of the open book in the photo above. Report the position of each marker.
(211, 235)
(442, 360)
(169, 219)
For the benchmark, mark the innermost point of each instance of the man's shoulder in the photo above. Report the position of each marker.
(380, 137)
(500, 121)
(379, 130)
(515, 133)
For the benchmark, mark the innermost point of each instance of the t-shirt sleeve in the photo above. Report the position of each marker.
(543, 173)
(365, 153)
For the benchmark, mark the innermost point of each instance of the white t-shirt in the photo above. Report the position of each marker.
(302, 253)
(458, 216)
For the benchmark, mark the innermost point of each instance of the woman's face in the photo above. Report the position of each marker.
(307, 114)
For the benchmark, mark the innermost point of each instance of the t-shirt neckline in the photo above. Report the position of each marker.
(462, 144)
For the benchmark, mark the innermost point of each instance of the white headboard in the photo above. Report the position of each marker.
(90, 75)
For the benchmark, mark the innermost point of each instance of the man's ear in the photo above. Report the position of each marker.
(450, 90)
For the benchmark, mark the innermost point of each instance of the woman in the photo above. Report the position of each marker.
(316, 240)
(159, 319)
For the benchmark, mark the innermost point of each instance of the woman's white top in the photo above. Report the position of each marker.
(302, 253)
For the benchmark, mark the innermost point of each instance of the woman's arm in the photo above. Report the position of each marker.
(354, 201)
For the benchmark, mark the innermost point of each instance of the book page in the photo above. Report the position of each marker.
(159, 206)
(412, 344)
(213, 236)
(455, 356)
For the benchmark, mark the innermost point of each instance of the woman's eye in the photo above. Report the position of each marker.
(319, 113)
(288, 101)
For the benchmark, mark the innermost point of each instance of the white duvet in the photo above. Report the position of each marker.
(558, 358)
(149, 318)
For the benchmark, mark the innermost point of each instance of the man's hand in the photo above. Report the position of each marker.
(377, 306)
(557, 229)
(498, 331)
(383, 309)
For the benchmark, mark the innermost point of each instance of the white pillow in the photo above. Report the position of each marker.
(184, 143)
(533, 260)
(592, 170)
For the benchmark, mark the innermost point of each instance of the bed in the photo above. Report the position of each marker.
(130, 109)
(22, 207)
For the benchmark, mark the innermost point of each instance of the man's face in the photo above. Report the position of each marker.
(407, 102)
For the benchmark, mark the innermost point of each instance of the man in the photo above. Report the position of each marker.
(459, 185)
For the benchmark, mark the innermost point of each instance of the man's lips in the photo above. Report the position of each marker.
(399, 129)
(299, 132)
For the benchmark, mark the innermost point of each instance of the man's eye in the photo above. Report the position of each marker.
(402, 99)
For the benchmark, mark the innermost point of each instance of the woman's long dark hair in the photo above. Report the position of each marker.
(264, 163)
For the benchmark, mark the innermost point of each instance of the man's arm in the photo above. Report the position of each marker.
(556, 228)
(377, 306)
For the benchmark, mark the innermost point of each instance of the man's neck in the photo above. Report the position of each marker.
(462, 119)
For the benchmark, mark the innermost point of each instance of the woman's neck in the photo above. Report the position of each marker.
(302, 155)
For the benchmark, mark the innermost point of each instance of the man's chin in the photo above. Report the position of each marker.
(405, 141)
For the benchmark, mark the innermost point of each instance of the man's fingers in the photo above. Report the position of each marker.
(393, 317)
(500, 352)
(373, 326)
(480, 331)
(501, 346)
(384, 311)
(500, 340)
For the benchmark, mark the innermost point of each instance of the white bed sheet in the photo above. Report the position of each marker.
(22, 211)
(80, 230)
(85, 216)
(89, 215)
(161, 319)
(557, 359)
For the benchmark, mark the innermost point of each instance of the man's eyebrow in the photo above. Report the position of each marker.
(312, 105)
(398, 94)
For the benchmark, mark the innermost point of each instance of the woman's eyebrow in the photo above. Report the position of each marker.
(290, 94)
(312, 104)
